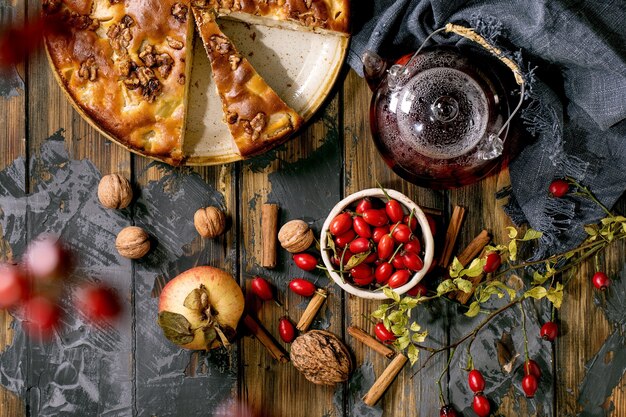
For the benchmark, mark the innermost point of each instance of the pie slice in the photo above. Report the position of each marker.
(315, 15)
(126, 66)
(258, 119)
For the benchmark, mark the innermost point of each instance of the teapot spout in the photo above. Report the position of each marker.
(374, 68)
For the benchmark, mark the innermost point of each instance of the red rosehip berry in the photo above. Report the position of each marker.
(262, 288)
(530, 385)
(532, 368)
(418, 291)
(286, 330)
(448, 411)
(476, 381)
(305, 261)
(558, 188)
(549, 331)
(302, 287)
(394, 211)
(492, 262)
(601, 281)
(340, 224)
(481, 406)
(383, 334)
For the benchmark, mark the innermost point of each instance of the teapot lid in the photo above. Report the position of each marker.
(444, 105)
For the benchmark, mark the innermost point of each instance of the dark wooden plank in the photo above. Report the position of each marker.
(13, 132)
(584, 330)
(503, 388)
(363, 167)
(303, 178)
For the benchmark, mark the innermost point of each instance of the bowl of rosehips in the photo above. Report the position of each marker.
(376, 239)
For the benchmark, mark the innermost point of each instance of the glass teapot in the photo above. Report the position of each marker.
(440, 117)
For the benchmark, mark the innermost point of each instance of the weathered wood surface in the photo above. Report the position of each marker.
(332, 157)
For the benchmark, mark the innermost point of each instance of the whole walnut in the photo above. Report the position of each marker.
(209, 222)
(321, 357)
(295, 236)
(132, 242)
(114, 191)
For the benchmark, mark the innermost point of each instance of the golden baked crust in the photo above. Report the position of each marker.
(125, 68)
(327, 15)
(257, 118)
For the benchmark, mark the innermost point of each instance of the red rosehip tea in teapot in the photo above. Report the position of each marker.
(440, 118)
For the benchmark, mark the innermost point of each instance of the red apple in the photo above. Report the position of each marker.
(200, 308)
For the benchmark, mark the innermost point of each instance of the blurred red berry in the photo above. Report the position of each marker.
(99, 303)
(529, 385)
(47, 259)
(13, 286)
(492, 262)
(41, 316)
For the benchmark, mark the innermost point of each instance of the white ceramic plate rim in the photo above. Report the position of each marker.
(427, 240)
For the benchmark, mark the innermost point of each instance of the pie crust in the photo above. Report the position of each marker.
(125, 65)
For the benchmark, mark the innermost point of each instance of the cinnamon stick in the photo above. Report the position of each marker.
(452, 234)
(368, 340)
(474, 249)
(265, 338)
(311, 310)
(384, 380)
(269, 230)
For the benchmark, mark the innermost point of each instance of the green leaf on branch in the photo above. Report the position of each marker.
(415, 327)
(463, 285)
(474, 309)
(446, 287)
(402, 342)
(536, 292)
(512, 232)
(513, 250)
(475, 268)
(413, 354)
(532, 234)
(500, 285)
(555, 295)
(419, 337)
(408, 303)
(389, 293)
(380, 312)
(455, 268)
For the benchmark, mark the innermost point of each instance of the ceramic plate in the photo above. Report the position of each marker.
(300, 66)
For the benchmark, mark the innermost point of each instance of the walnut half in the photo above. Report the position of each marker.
(88, 70)
(179, 11)
(321, 357)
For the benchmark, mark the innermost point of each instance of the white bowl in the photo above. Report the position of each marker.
(427, 242)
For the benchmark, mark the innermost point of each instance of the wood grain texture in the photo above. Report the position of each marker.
(332, 157)
(12, 146)
(296, 178)
(363, 167)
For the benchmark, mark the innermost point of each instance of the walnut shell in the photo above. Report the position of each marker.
(295, 236)
(321, 357)
(209, 222)
(114, 191)
(132, 242)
